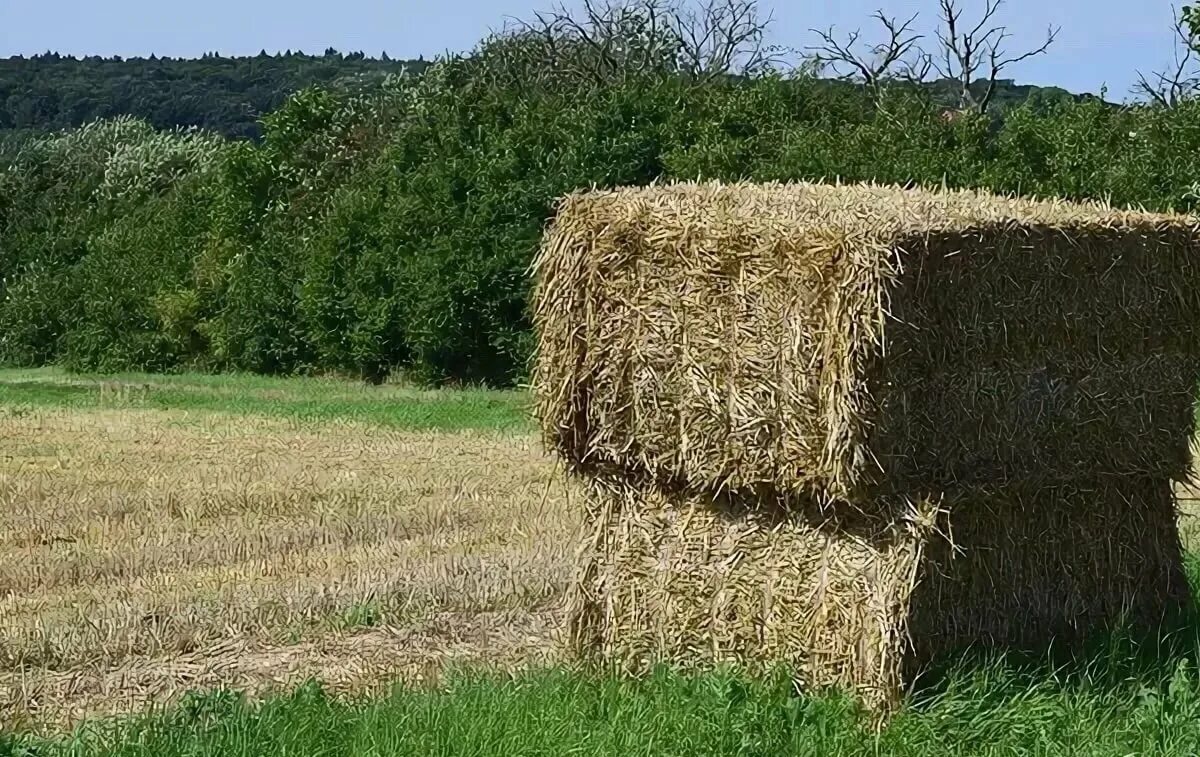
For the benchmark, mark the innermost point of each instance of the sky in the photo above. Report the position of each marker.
(1102, 42)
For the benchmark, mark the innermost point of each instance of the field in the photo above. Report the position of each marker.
(162, 534)
(164, 537)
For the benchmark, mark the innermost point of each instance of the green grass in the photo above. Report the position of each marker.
(1121, 697)
(302, 400)
(995, 710)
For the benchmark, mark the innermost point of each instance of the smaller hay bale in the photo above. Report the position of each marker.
(676, 577)
(698, 581)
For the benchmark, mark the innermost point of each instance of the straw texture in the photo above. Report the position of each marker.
(852, 428)
(669, 577)
(1061, 563)
(836, 341)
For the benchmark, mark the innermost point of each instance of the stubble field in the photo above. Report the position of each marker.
(150, 545)
(166, 541)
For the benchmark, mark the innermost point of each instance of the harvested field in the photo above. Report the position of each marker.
(147, 552)
(151, 546)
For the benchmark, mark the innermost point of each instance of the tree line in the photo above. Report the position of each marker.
(389, 228)
(226, 95)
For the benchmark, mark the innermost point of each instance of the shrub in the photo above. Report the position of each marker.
(391, 227)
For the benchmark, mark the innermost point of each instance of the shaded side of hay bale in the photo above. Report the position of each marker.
(696, 581)
(1038, 355)
(1063, 563)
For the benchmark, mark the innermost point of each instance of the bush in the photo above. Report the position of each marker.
(391, 229)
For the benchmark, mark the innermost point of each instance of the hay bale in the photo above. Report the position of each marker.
(850, 428)
(695, 581)
(845, 342)
(671, 577)
(1062, 563)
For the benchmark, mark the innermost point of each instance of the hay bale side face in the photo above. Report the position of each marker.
(679, 337)
(696, 582)
(1061, 563)
(1039, 356)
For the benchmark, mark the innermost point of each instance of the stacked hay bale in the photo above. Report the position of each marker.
(847, 428)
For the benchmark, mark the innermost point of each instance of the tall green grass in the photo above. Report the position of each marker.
(304, 400)
(994, 710)
(1123, 696)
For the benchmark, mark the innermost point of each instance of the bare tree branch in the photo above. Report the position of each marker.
(723, 37)
(966, 55)
(882, 61)
(918, 70)
(1181, 82)
(614, 40)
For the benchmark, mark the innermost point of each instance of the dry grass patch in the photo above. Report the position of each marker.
(143, 552)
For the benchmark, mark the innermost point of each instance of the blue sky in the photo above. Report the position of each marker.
(1103, 42)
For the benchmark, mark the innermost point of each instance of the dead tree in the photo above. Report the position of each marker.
(1181, 81)
(966, 56)
(722, 37)
(897, 57)
(978, 53)
(609, 41)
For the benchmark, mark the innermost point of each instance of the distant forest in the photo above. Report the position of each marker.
(229, 95)
(50, 92)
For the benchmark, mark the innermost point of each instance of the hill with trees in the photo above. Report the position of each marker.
(230, 95)
(226, 95)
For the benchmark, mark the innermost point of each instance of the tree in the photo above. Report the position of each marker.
(968, 56)
(965, 55)
(899, 56)
(1181, 81)
(1191, 18)
(722, 37)
(213, 92)
(612, 41)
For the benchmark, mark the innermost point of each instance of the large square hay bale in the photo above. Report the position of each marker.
(843, 341)
(852, 427)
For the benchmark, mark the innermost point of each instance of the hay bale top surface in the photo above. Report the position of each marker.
(880, 211)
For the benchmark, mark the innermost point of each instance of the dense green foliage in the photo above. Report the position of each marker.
(390, 227)
(226, 95)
